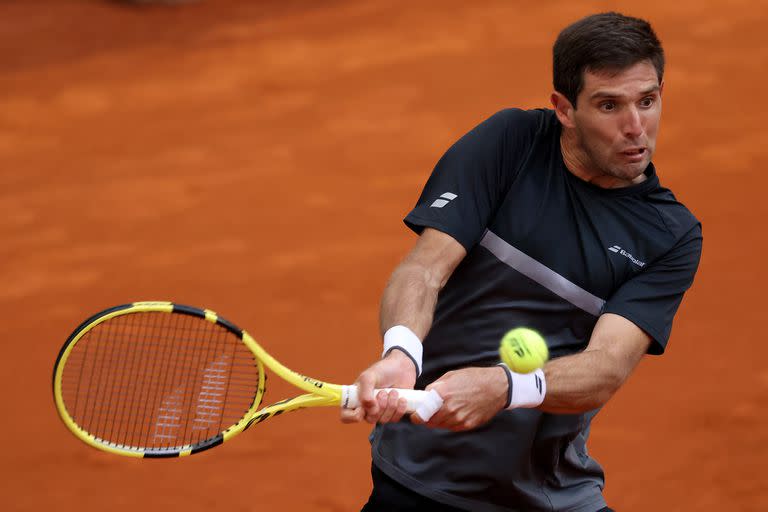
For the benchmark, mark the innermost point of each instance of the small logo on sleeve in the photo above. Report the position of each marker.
(619, 250)
(444, 200)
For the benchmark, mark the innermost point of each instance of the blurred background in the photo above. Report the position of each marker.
(256, 158)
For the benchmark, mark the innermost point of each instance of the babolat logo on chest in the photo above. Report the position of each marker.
(624, 253)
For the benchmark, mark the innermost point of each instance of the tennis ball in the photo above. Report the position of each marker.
(523, 350)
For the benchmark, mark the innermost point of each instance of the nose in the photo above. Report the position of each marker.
(633, 123)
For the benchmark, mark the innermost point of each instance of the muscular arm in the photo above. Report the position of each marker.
(585, 381)
(411, 293)
(409, 299)
(575, 384)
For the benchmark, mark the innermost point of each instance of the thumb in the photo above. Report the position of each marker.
(352, 415)
(365, 385)
(436, 385)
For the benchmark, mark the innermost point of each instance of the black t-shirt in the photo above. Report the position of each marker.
(545, 250)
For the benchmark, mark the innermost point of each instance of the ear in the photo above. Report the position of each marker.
(563, 109)
(661, 88)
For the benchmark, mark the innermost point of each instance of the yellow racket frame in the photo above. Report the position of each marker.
(318, 394)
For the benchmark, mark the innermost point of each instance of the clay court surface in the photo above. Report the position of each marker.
(256, 158)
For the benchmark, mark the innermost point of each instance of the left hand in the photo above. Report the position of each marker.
(471, 397)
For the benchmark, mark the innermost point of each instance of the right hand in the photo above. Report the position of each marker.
(394, 371)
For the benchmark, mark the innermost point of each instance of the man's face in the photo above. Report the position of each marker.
(617, 120)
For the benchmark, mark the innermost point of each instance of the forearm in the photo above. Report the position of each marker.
(409, 299)
(581, 382)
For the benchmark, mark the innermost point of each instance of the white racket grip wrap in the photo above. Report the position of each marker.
(406, 340)
(528, 389)
(423, 403)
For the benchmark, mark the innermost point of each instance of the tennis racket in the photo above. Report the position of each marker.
(158, 379)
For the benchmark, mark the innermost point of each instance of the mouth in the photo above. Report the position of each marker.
(635, 154)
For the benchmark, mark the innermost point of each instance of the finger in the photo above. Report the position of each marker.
(459, 421)
(462, 425)
(446, 417)
(440, 417)
(441, 387)
(402, 405)
(390, 407)
(355, 415)
(365, 384)
(446, 422)
(382, 399)
(373, 414)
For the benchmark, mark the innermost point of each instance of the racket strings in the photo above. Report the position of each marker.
(155, 380)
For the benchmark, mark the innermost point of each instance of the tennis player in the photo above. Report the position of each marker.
(551, 219)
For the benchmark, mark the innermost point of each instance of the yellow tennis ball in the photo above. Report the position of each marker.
(523, 350)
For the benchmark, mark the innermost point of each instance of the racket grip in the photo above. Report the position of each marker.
(423, 403)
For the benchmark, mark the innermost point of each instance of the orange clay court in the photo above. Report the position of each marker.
(256, 158)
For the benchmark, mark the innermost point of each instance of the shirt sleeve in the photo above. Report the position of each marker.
(651, 298)
(471, 179)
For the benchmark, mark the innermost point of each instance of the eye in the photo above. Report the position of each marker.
(647, 102)
(607, 106)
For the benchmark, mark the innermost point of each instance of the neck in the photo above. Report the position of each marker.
(579, 163)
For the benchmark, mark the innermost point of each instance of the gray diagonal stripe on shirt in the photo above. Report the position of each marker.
(542, 274)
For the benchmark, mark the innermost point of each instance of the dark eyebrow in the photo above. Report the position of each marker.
(611, 94)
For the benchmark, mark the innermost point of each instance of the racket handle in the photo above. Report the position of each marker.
(423, 403)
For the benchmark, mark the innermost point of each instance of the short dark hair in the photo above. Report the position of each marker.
(602, 42)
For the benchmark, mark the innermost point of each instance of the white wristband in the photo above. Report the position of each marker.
(526, 390)
(402, 338)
